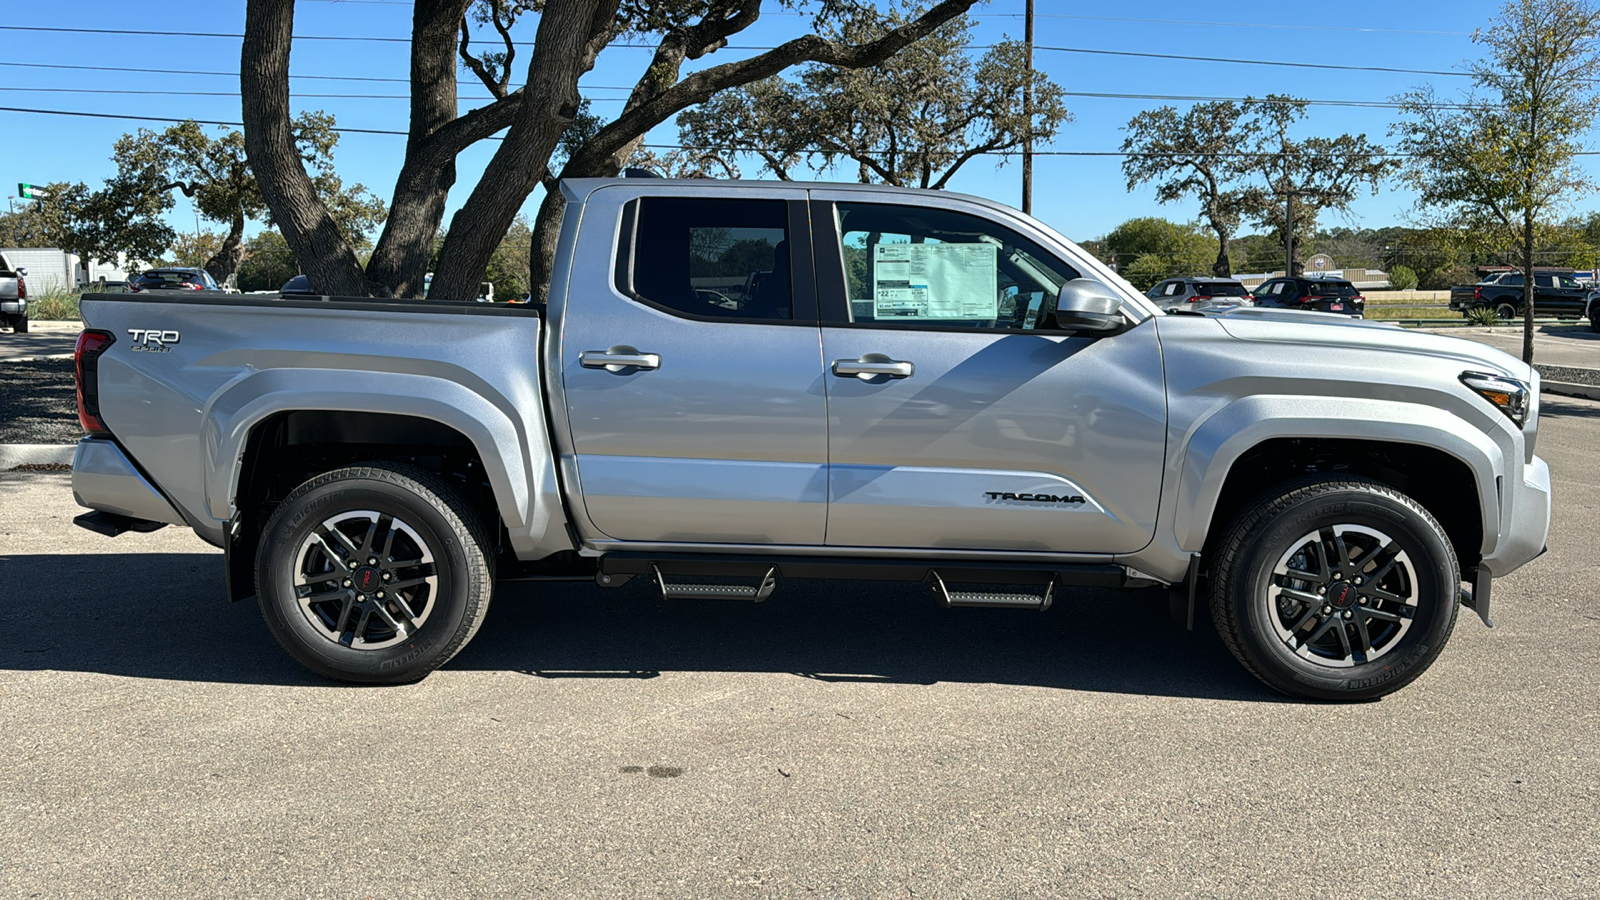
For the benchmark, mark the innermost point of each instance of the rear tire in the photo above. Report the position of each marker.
(1505, 312)
(1335, 589)
(1594, 324)
(374, 574)
(19, 325)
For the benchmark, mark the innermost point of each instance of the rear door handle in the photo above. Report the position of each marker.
(871, 366)
(618, 358)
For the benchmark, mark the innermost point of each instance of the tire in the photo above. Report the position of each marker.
(1303, 636)
(19, 325)
(1505, 311)
(1594, 324)
(432, 571)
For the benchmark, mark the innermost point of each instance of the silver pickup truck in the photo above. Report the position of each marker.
(737, 384)
(13, 296)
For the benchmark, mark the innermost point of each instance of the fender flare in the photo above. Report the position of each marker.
(233, 413)
(1216, 443)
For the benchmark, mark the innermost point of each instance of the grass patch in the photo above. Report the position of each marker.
(56, 306)
(1384, 313)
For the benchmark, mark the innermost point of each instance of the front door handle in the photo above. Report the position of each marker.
(871, 366)
(619, 358)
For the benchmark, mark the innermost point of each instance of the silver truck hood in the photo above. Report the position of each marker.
(1326, 330)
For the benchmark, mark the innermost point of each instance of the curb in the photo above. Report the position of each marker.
(40, 358)
(13, 455)
(1568, 389)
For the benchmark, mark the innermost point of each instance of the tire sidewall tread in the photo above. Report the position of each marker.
(1257, 536)
(426, 502)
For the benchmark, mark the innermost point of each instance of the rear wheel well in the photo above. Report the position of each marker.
(1444, 485)
(289, 448)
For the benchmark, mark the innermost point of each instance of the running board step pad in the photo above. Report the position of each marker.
(991, 600)
(754, 593)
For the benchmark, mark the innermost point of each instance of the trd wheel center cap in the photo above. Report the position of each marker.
(367, 579)
(1343, 595)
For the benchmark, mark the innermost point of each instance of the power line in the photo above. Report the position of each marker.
(1085, 50)
(347, 130)
(594, 87)
(1092, 95)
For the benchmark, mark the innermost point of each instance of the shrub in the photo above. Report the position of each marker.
(1483, 315)
(56, 305)
(1401, 278)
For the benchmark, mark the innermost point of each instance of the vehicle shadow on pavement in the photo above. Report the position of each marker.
(156, 615)
(1090, 640)
(1568, 407)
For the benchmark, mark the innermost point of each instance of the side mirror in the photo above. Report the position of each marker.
(1087, 305)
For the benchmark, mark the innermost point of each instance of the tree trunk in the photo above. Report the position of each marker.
(561, 54)
(1527, 287)
(542, 245)
(400, 260)
(1223, 267)
(226, 261)
(323, 253)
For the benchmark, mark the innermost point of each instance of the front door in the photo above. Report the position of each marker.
(959, 415)
(691, 370)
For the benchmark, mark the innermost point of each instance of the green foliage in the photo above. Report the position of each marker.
(56, 306)
(1148, 249)
(1189, 155)
(1501, 162)
(1401, 278)
(268, 262)
(1483, 315)
(508, 268)
(194, 250)
(912, 121)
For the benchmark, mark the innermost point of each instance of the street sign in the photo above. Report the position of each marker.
(30, 192)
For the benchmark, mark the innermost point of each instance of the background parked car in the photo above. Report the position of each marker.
(1199, 293)
(1333, 295)
(13, 296)
(173, 279)
(1554, 294)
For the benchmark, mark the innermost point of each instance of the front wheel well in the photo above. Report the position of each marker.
(289, 448)
(1444, 485)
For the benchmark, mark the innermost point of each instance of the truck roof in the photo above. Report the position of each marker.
(580, 188)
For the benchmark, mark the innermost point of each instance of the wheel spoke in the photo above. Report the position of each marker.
(324, 596)
(1384, 615)
(1322, 553)
(1387, 597)
(1307, 618)
(388, 542)
(1302, 596)
(1387, 556)
(1337, 540)
(402, 623)
(349, 549)
(1301, 574)
(1344, 636)
(1364, 639)
(407, 583)
(360, 630)
(343, 624)
(370, 537)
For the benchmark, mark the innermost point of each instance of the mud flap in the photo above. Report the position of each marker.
(239, 561)
(1476, 597)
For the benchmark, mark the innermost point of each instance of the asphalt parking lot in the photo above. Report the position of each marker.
(841, 739)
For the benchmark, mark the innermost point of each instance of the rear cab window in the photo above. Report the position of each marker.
(1219, 289)
(711, 258)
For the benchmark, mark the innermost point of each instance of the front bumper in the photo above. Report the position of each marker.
(1524, 521)
(104, 478)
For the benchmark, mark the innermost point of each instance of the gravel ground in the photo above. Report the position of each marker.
(38, 404)
(1568, 374)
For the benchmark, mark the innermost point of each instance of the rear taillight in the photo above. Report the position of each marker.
(22, 288)
(87, 360)
(1477, 293)
(194, 286)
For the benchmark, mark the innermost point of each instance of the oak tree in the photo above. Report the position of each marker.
(568, 37)
(1500, 162)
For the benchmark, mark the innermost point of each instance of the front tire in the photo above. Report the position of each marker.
(1335, 589)
(374, 574)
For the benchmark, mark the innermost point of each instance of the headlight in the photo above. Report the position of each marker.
(1509, 395)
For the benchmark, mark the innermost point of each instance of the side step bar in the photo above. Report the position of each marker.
(991, 599)
(755, 593)
(112, 524)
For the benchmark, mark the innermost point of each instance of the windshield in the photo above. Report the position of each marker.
(1220, 289)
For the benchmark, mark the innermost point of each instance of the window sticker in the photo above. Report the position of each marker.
(935, 281)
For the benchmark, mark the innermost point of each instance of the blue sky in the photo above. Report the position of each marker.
(1083, 197)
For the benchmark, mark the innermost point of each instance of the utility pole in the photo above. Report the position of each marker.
(1027, 113)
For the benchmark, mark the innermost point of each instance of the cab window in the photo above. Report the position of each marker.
(919, 267)
(708, 258)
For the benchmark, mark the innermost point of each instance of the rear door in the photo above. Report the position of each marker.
(691, 368)
(960, 417)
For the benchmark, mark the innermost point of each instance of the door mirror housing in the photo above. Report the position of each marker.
(1087, 305)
